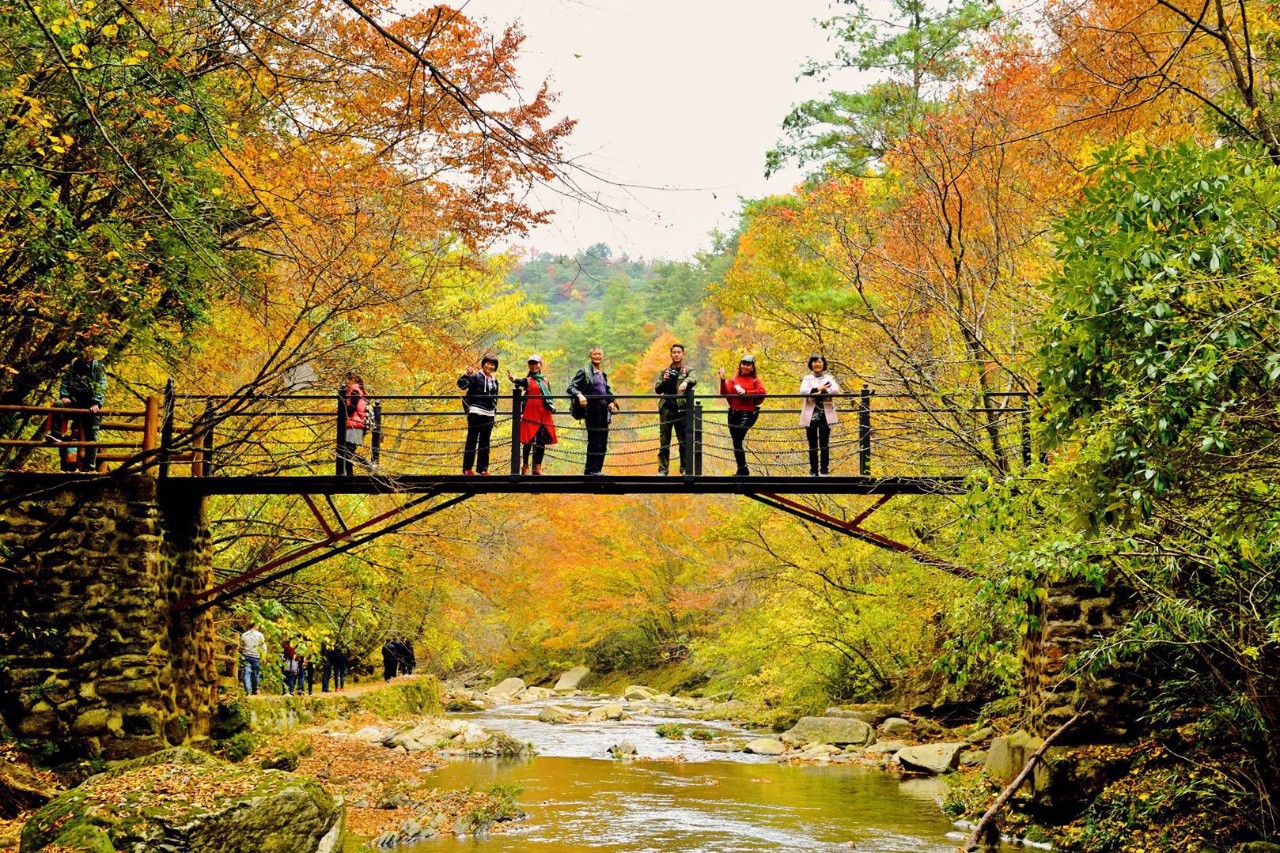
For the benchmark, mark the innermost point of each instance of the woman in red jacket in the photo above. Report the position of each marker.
(356, 405)
(745, 392)
(537, 429)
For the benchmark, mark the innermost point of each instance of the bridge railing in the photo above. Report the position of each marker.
(130, 435)
(881, 435)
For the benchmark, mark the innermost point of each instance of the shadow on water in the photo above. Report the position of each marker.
(686, 799)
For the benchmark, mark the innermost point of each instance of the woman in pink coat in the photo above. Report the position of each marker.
(818, 414)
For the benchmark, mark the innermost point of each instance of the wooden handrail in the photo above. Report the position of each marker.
(67, 410)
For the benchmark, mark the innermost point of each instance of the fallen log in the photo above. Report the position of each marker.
(971, 843)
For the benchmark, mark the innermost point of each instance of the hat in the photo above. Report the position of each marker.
(534, 357)
(747, 359)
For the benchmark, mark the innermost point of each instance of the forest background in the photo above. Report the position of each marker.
(1074, 202)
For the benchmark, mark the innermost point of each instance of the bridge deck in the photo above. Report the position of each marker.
(563, 485)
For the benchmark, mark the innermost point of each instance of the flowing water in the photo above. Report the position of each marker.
(578, 798)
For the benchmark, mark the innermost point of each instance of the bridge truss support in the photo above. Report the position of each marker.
(855, 529)
(335, 541)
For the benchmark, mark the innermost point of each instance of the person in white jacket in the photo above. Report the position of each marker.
(818, 414)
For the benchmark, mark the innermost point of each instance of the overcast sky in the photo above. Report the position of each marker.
(677, 100)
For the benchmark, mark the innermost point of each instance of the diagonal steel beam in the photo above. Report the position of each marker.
(192, 600)
(315, 510)
(830, 522)
(228, 594)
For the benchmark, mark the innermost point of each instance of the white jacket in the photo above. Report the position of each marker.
(807, 385)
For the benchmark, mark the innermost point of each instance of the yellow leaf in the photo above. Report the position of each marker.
(110, 30)
(78, 50)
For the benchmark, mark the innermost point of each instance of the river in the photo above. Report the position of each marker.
(577, 798)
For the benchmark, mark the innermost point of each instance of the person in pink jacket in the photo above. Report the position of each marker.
(745, 393)
(818, 414)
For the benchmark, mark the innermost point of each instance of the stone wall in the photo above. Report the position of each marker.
(1058, 683)
(92, 661)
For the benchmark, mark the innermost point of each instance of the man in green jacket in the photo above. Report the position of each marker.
(671, 386)
(84, 386)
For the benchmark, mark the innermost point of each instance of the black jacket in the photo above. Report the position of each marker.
(581, 384)
(477, 398)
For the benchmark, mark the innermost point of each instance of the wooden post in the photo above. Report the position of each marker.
(864, 432)
(166, 430)
(150, 429)
(209, 465)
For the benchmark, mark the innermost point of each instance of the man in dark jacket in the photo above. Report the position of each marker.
(671, 385)
(84, 386)
(481, 404)
(590, 387)
(390, 659)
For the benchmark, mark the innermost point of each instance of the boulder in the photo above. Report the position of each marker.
(765, 746)
(635, 691)
(1008, 755)
(886, 747)
(536, 694)
(841, 731)
(872, 713)
(896, 727)
(21, 789)
(623, 749)
(981, 735)
(728, 745)
(934, 758)
(732, 709)
(507, 689)
(973, 758)
(172, 801)
(555, 715)
(572, 679)
(612, 711)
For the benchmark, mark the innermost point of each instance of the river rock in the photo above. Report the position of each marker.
(622, 749)
(554, 714)
(934, 758)
(572, 679)
(1008, 755)
(871, 713)
(536, 694)
(886, 747)
(635, 691)
(728, 745)
(507, 689)
(232, 809)
(973, 758)
(370, 734)
(818, 751)
(837, 730)
(896, 727)
(981, 735)
(765, 746)
(612, 711)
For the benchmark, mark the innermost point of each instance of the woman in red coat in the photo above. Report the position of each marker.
(537, 429)
(356, 405)
(745, 392)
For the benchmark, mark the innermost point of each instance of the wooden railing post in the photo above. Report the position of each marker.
(209, 464)
(150, 429)
(166, 429)
(375, 440)
(864, 432)
(516, 408)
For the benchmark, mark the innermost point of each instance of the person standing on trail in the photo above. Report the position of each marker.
(407, 660)
(481, 404)
(671, 385)
(594, 399)
(745, 392)
(83, 386)
(390, 659)
(333, 662)
(252, 645)
(818, 413)
(355, 407)
(291, 664)
(537, 428)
